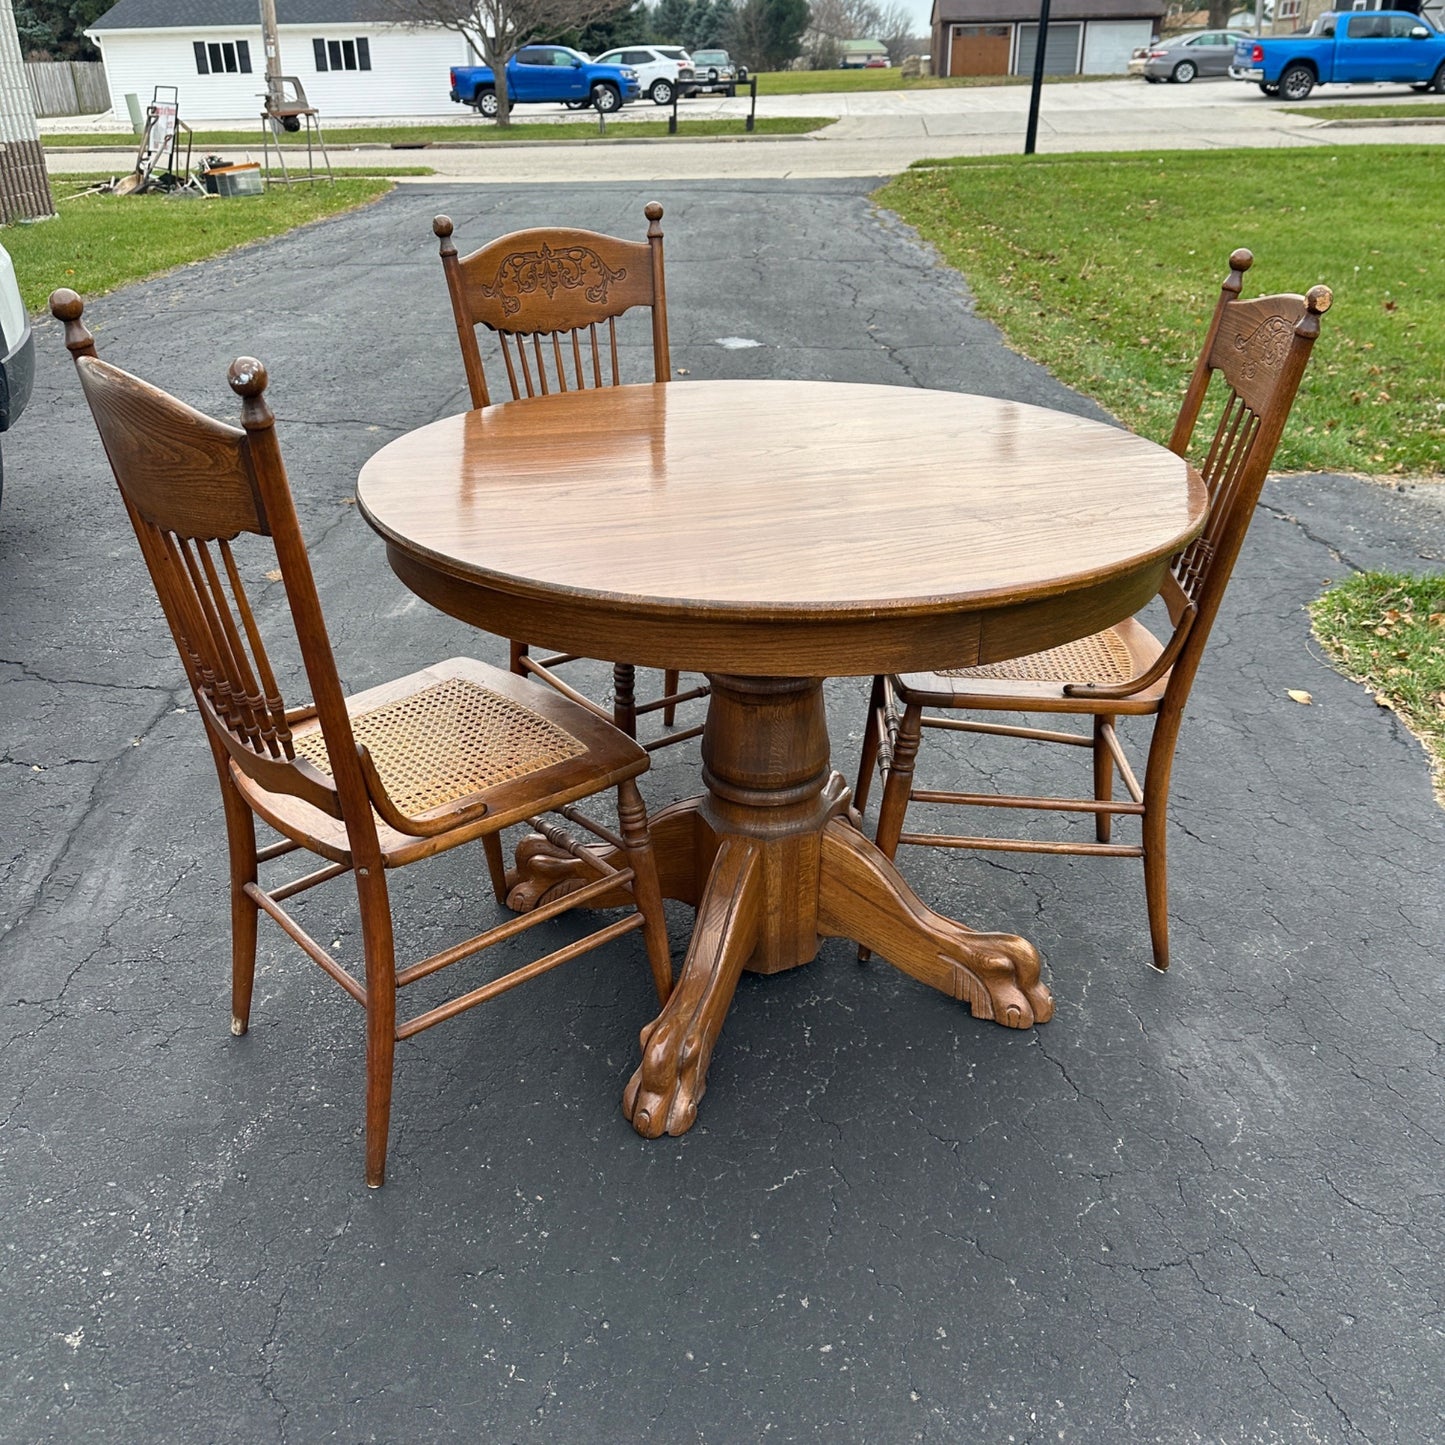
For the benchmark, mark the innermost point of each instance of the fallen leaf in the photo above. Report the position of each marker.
(274, 575)
(1437, 619)
(1392, 614)
(1299, 695)
(1382, 701)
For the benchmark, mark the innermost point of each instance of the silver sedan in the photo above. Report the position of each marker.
(1182, 57)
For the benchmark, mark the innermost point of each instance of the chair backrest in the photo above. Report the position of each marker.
(191, 485)
(1253, 359)
(555, 288)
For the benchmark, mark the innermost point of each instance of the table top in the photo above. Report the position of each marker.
(695, 506)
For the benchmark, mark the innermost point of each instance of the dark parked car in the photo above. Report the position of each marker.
(17, 352)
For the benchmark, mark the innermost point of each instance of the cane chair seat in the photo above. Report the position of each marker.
(1037, 682)
(456, 731)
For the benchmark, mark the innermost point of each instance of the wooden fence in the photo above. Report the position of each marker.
(68, 87)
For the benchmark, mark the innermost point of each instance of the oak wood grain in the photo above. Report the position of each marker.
(842, 508)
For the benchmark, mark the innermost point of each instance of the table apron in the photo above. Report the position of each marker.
(852, 645)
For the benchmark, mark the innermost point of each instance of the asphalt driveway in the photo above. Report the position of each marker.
(1204, 1206)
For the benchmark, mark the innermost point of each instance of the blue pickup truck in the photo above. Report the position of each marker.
(1346, 48)
(538, 74)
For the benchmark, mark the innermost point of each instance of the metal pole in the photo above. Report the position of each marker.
(1038, 85)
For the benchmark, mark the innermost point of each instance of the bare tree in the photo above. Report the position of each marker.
(833, 21)
(497, 29)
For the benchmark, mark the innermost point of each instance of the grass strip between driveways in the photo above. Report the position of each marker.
(97, 243)
(1387, 630)
(481, 131)
(1105, 269)
(1404, 110)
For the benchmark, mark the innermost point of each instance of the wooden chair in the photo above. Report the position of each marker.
(1258, 349)
(551, 297)
(398, 773)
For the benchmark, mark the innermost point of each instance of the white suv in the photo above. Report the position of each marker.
(661, 69)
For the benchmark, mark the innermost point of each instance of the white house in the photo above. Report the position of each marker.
(211, 51)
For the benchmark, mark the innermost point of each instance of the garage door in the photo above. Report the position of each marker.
(1108, 43)
(1061, 54)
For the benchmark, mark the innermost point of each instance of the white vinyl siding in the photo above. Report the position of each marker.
(1108, 44)
(408, 75)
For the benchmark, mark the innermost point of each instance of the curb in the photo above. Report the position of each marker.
(1370, 122)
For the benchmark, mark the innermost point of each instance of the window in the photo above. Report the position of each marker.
(222, 57)
(1287, 9)
(342, 54)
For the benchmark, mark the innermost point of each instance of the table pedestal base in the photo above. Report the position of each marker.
(772, 864)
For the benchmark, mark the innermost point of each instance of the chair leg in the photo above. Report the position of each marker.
(1156, 882)
(897, 786)
(380, 949)
(899, 783)
(646, 890)
(671, 682)
(624, 701)
(496, 866)
(245, 915)
(1103, 777)
(519, 651)
(869, 758)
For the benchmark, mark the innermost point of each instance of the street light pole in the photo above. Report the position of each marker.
(1038, 83)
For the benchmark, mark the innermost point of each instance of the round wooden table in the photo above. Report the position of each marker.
(771, 534)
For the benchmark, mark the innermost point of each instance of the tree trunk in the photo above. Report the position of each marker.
(24, 185)
(497, 56)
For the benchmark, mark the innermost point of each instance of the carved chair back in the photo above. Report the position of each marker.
(192, 485)
(1253, 359)
(552, 298)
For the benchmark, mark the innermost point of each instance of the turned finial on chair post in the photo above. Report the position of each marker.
(67, 307)
(1318, 300)
(248, 380)
(442, 228)
(653, 211)
(1239, 262)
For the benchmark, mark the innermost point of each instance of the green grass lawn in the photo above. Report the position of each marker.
(1405, 108)
(481, 130)
(100, 242)
(1105, 269)
(1387, 630)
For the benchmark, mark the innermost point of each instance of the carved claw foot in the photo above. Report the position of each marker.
(864, 897)
(663, 1094)
(543, 872)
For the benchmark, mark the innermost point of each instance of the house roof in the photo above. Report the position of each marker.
(994, 12)
(850, 45)
(236, 14)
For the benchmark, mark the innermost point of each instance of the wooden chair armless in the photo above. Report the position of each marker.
(368, 783)
(1254, 356)
(550, 298)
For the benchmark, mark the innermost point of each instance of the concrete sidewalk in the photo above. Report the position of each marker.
(1197, 1207)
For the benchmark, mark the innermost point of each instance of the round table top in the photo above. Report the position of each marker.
(716, 502)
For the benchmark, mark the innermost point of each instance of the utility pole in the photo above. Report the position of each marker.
(24, 184)
(272, 47)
